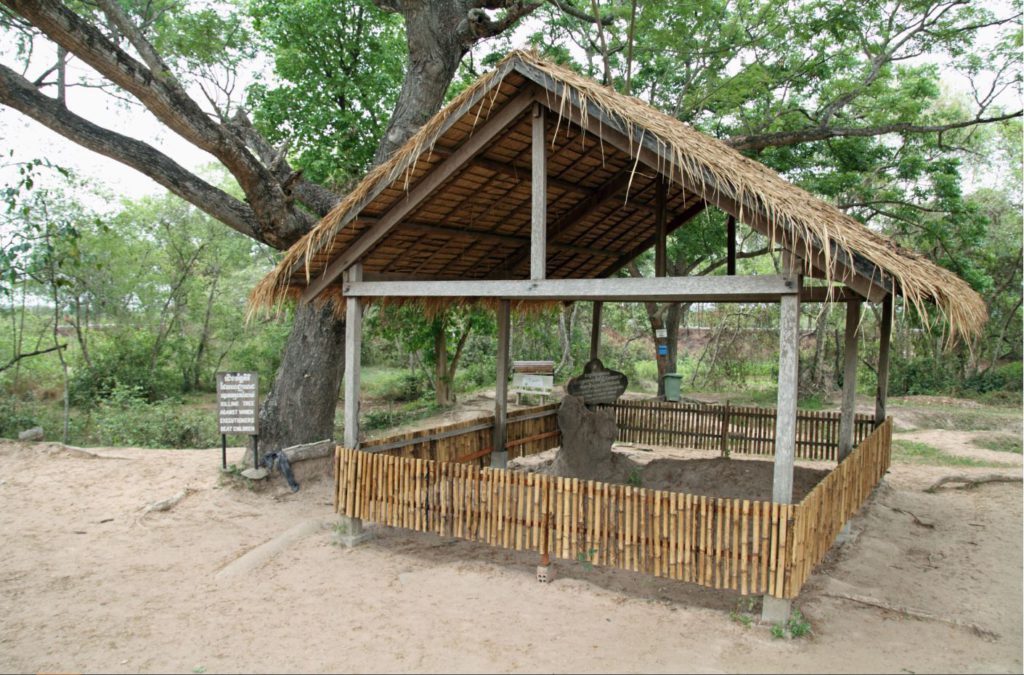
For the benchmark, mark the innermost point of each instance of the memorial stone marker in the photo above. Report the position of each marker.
(598, 385)
(238, 403)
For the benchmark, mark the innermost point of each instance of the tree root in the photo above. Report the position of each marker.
(915, 613)
(85, 452)
(973, 481)
(165, 504)
(917, 521)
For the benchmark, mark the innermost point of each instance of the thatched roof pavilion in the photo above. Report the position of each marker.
(538, 185)
(453, 202)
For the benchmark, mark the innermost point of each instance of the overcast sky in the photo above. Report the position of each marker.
(28, 139)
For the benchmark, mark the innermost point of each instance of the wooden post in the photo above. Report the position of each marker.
(350, 530)
(538, 229)
(661, 233)
(846, 418)
(353, 345)
(789, 364)
(731, 248)
(595, 330)
(777, 610)
(884, 338)
(499, 454)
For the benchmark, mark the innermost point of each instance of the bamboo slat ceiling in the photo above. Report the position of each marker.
(475, 222)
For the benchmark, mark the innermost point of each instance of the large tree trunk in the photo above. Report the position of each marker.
(442, 382)
(301, 403)
(435, 50)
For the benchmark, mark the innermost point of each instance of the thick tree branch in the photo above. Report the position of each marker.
(277, 223)
(784, 138)
(567, 8)
(316, 197)
(483, 26)
(18, 93)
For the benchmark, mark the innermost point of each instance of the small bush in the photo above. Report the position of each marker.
(125, 363)
(403, 386)
(1008, 377)
(126, 419)
(920, 376)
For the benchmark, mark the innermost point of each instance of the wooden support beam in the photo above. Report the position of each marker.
(425, 228)
(884, 339)
(789, 372)
(595, 200)
(595, 330)
(829, 294)
(677, 221)
(765, 288)
(660, 229)
(539, 188)
(730, 226)
(353, 347)
(649, 152)
(445, 170)
(849, 405)
(499, 458)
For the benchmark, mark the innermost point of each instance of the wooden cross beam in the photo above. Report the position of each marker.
(497, 238)
(445, 170)
(585, 207)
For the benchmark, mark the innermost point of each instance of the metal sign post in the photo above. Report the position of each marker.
(238, 398)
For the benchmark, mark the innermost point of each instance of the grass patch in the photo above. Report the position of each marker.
(1000, 443)
(914, 452)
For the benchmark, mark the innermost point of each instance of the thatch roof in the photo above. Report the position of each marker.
(607, 153)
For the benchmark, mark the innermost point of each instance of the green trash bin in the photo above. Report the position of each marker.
(673, 386)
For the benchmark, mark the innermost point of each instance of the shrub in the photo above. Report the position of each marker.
(1007, 377)
(125, 418)
(123, 362)
(920, 376)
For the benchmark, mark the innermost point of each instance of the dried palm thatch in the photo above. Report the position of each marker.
(786, 214)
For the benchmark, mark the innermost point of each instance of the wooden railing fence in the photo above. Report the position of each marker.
(730, 429)
(528, 431)
(744, 545)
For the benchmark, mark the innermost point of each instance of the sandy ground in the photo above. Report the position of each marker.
(89, 584)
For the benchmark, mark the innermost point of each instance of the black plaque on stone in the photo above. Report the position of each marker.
(598, 385)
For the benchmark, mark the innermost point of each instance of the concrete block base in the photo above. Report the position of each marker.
(499, 460)
(545, 573)
(775, 610)
(349, 532)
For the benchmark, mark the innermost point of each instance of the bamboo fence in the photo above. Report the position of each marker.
(730, 429)
(527, 431)
(743, 545)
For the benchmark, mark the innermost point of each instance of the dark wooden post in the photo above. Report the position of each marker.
(884, 339)
(499, 454)
(661, 233)
(731, 246)
(595, 330)
(849, 405)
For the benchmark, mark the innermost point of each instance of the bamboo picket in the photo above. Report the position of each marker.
(746, 546)
(736, 429)
(648, 531)
(826, 508)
